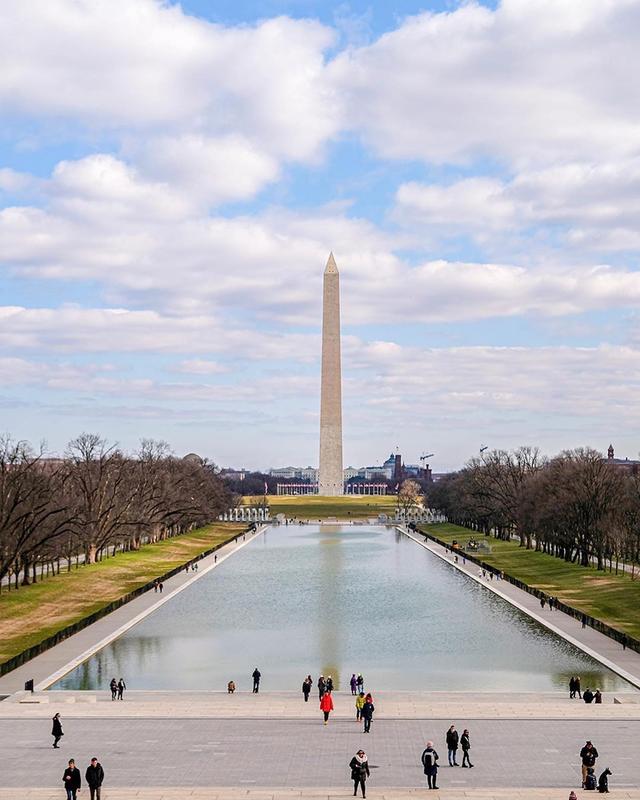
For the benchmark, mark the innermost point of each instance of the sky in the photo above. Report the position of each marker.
(174, 176)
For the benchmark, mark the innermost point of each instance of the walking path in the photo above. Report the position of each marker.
(51, 665)
(625, 663)
(290, 705)
(324, 793)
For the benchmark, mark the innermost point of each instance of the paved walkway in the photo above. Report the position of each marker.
(625, 662)
(290, 705)
(82, 644)
(320, 793)
(305, 753)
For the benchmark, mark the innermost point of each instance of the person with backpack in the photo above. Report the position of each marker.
(452, 745)
(326, 705)
(465, 743)
(588, 756)
(359, 765)
(367, 713)
(429, 760)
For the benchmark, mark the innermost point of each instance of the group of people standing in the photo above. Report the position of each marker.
(117, 688)
(94, 777)
(588, 696)
(453, 741)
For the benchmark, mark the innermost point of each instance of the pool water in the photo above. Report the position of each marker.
(336, 600)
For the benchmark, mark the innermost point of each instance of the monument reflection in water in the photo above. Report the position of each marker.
(338, 600)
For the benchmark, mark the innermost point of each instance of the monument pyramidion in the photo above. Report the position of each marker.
(330, 479)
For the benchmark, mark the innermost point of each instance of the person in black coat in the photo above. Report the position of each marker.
(94, 777)
(588, 756)
(359, 771)
(322, 686)
(452, 745)
(367, 713)
(572, 687)
(429, 760)
(114, 688)
(256, 675)
(588, 695)
(56, 730)
(121, 687)
(306, 687)
(71, 780)
(465, 744)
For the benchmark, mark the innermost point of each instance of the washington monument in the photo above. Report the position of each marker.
(330, 481)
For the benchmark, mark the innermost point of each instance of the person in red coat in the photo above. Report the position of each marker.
(326, 705)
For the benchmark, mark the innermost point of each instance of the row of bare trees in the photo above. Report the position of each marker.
(576, 506)
(94, 501)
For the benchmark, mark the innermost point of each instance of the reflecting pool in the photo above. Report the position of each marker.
(337, 600)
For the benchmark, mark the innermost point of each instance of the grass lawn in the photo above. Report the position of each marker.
(35, 612)
(611, 598)
(312, 506)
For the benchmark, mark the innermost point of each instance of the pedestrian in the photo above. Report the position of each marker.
(94, 777)
(572, 687)
(359, 704)
(624, 647)
(360, 682)
(542, 601)
(114, 688)
(584, 620)
(322, 686)
(353, 683)
(588, 695)
(161, 587)
(256, 675)
(590, 783)
(215, 558)
(578, 689)
(307, 683)
(452, 745)
(56, 730)
(121, 687)
(231, 687)
(359, 771)
(71, 780)
(326, 705)
(597, 697)
(155, 586)
(429, 760)
(588, 756)
(367, 713)
(329, 682)
(465, 743)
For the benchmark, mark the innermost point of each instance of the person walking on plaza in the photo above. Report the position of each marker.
(94, 777)
(71, 780)
(452, 745)
(306, 687)
(56, 730)
(572, 687)
(367, 713)
(326, 705)
(353, 683)
(256, 675)
(360, 699)
(429, 760)
(465, 744)
(588, 756)
(322, 686)
(121, 687)
(578, 688)
(359, 771)
(329, 683)
(114, 688)
(360, 683)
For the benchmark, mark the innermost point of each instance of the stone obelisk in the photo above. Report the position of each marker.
(330, 481)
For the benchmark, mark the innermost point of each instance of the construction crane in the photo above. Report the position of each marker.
(425, 456)
(483, 448)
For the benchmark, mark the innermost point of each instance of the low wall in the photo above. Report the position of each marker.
(69, 630)
(592, 622)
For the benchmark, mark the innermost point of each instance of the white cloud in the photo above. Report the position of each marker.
(140, 64)
(200, 366)
(528, 83)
